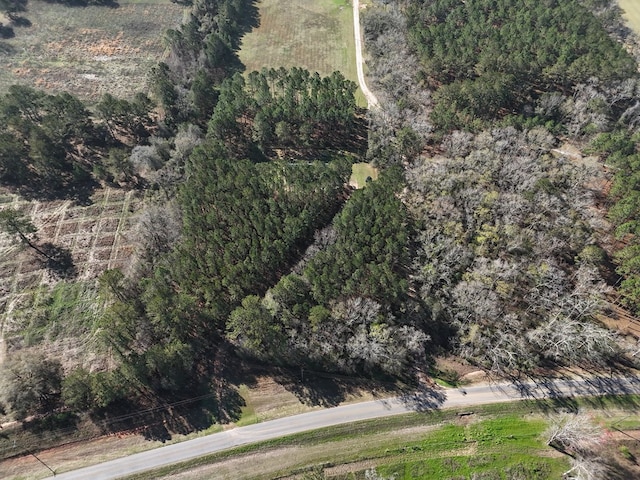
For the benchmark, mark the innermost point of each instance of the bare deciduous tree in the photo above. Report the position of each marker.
(574, 432)
(586, 469)
(158, 229)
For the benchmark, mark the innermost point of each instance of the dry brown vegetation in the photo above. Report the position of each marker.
(88, 51)
(97, 236)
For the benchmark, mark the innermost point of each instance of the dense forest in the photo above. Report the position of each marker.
(510, 249)
(241, 174)
(480, 238)
(488, 59)
(52, 145)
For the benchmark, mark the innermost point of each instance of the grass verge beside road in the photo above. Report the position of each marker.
(440, 444)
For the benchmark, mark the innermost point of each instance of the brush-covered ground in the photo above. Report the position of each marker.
(87, 51)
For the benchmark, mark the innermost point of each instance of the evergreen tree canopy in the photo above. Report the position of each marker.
(486, 58)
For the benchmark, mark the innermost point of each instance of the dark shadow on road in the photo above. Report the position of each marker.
(617, 386)
(424, 398)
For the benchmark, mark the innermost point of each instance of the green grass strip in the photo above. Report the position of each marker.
(503, 439)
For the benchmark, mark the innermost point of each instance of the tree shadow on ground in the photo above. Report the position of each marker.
(226, 405)
(618, 471)
(250, 19)
(6, 32)
(330, 390)
(424, 398)
(21, 22)
(324, 145)
(217, 407)
(80, 193)
(59, 261)
(214, 399)
(326, 389)
(51, 423)
(6, 49)
(160, 421)
(617, 384)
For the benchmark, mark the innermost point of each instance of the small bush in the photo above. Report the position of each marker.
(626, 453)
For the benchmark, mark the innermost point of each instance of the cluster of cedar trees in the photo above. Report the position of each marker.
(482, 250)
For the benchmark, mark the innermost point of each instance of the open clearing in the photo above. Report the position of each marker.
(96, 235)
(632, 13)
(313, 34)
(88, 51)
(360, 172)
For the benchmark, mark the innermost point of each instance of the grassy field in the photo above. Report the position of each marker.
(312, 34)
(632, 13)
(360, 172)
(88, 51)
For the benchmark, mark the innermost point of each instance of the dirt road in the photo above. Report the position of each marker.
(371, 98)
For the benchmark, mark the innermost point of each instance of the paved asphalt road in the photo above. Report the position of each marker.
(422, 401)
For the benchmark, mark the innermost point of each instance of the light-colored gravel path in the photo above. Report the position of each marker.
(371, 98)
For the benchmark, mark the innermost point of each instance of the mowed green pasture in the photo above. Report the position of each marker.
(88, 51)
(313, 34)
(631, 13)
